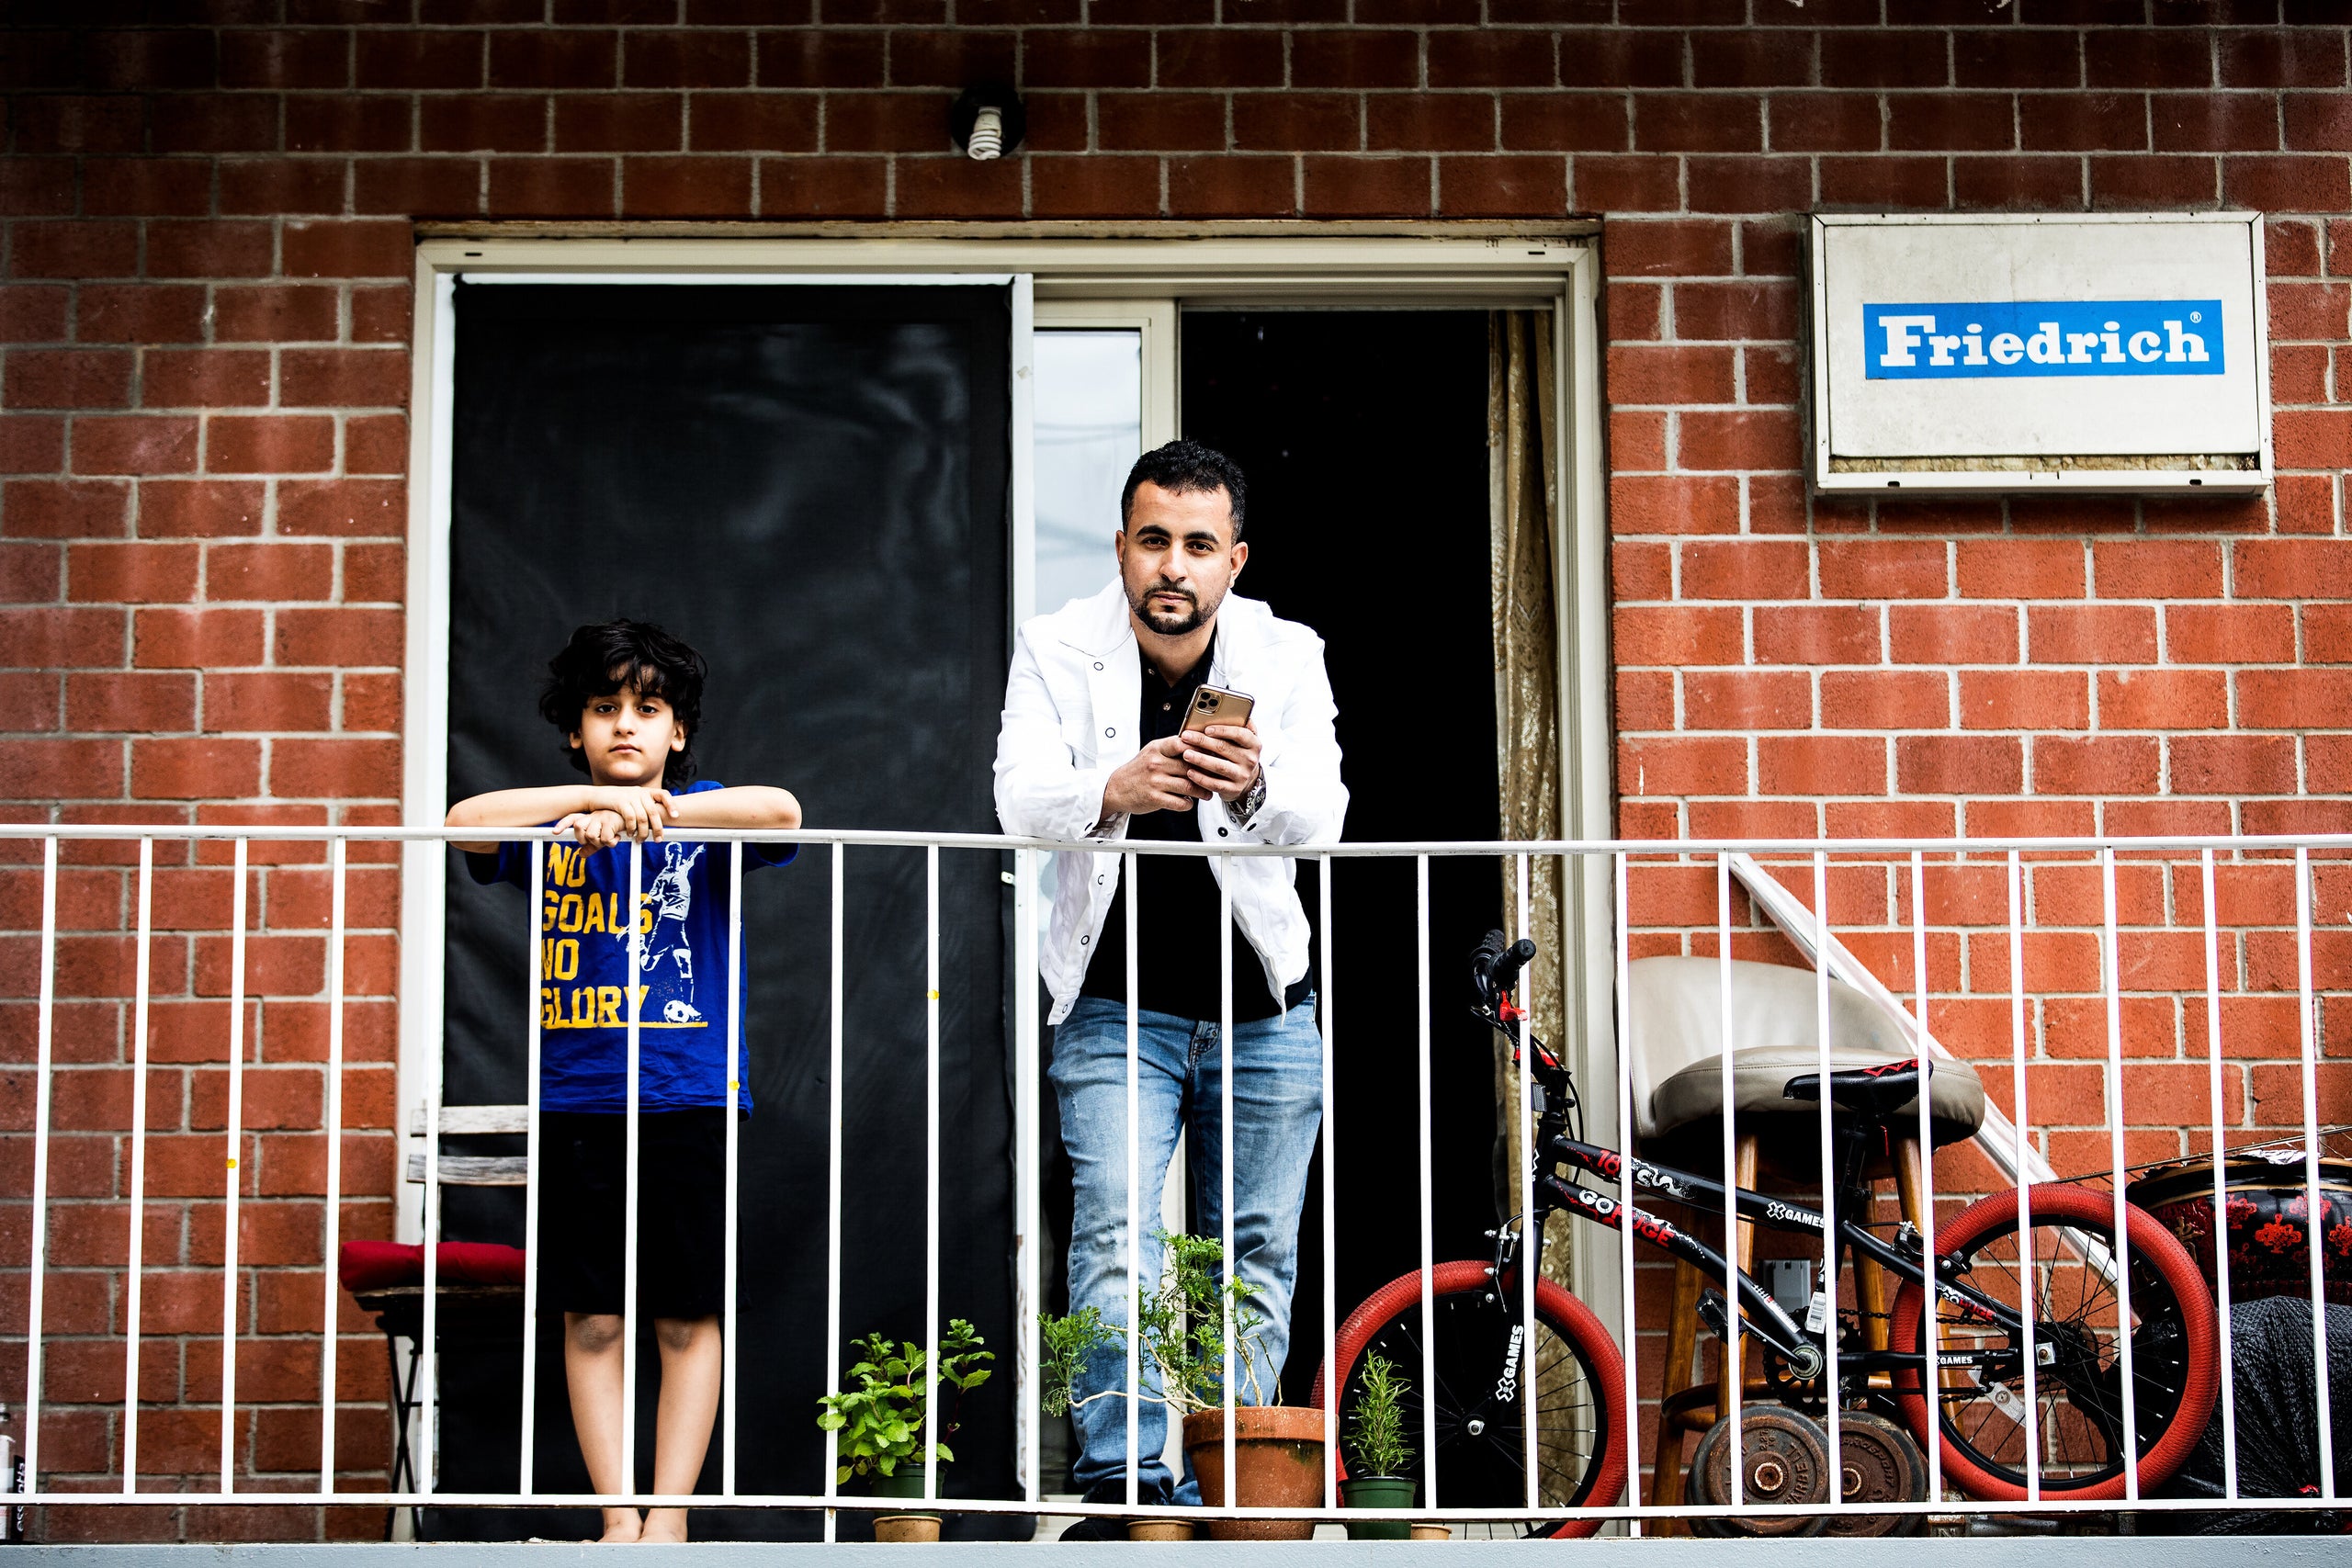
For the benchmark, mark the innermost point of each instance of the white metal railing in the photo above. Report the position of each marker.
(2009, 1144)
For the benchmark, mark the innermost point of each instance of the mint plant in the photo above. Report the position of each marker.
(879, 1414)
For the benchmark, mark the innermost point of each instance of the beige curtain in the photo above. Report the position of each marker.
(1523, 506)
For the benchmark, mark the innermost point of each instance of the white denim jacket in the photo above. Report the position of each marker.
(1071, 705)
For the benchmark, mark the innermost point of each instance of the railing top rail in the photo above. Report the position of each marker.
(884, 838)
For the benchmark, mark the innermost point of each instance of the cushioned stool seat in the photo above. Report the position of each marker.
(1760, 1078)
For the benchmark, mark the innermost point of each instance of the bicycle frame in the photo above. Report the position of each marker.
(1761, 1313)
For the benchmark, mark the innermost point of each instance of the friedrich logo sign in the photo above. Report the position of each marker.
(2012, 339)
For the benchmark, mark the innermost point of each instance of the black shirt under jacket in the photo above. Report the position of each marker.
(1176, 966)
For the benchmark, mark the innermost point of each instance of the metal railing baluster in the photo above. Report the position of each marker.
(2307, 1022)
(736, 1070)
(2112, 955)
(1930, 1329)
(1531, 1240)
(133, 1270)
(1331, 1198)
(1225, 1162)
(531, 1168)
(332, 1310)
(1128, 863)
(2027, 1261)
(630, 1218)
(44, 1052)
(1424, 1114)
(833, 1055)
(1828, 1297)
(1622, 943)
(2221, 1181)
(930, 1414)
(234, 1176)
(428, 1343)
(1734, 1348)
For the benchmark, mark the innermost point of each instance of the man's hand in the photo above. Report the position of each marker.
(1221, 760)
(1154, 779)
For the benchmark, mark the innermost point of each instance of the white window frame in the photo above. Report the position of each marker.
(1081, 275)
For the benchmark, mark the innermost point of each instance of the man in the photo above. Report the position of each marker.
(1092, 748)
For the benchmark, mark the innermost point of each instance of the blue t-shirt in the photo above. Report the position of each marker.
(583, 988)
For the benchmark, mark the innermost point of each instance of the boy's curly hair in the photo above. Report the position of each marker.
(602, 658)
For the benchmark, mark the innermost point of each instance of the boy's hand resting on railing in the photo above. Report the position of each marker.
(601, 815)
(614, 812)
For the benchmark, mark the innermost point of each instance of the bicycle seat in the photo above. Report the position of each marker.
(1888, 1091)
(1761, 1075)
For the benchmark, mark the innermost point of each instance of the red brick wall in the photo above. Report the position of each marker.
(205, 312)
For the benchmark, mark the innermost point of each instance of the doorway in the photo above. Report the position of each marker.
(1362, 436)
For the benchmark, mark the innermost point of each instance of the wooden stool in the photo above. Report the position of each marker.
(1767, 1124)
(1674, 1061)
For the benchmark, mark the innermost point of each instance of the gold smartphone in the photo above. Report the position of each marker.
(1212, 705)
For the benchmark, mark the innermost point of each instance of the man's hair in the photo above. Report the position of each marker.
(602, 658)
(1186, 467)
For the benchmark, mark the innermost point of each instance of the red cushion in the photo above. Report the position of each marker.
(379, 1264)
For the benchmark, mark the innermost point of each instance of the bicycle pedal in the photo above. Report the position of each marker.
(1712, 1313)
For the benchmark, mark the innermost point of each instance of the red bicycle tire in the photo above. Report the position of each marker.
(1567, 1315)
(2151, 1246)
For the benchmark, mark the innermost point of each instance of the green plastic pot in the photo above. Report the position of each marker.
(1390, 1492)
(906, 1483)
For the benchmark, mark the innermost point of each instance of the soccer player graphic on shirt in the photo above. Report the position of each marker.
(671, 896)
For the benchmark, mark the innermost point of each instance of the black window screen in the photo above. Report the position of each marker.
(809, 484)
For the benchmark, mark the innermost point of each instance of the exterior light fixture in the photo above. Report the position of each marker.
(987, 121)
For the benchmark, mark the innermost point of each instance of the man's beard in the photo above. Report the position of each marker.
(1190, 620)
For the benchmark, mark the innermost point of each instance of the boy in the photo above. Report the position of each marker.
(627, 696)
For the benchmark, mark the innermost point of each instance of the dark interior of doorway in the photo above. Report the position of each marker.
(1363, 437)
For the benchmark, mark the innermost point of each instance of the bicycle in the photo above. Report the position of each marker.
(1491, 1370)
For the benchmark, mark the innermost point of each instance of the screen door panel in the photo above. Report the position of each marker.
(809, 484)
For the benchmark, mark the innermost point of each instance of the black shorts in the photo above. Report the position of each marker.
(681, 1210)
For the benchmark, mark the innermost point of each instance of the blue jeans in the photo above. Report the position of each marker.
(1277, 1110)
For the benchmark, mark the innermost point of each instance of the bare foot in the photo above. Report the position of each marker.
(664, 1525)
(622, 1525)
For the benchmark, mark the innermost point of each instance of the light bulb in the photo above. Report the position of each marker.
(987, 139)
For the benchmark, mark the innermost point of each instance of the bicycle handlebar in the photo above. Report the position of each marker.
(1493, 966)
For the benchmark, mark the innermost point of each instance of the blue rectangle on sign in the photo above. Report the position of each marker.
(1995, 339)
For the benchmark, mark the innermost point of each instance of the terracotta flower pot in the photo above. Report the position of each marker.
(906, 1483)
(1391, 1494)
(1432, 1532)
(1160, 1529)
(1277, 1463)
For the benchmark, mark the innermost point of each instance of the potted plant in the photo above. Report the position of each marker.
(884, 1434)
(1377, 1453)
(1278, 1449)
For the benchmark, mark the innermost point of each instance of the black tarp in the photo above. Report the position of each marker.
(2277, 1407)
(809, 484)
